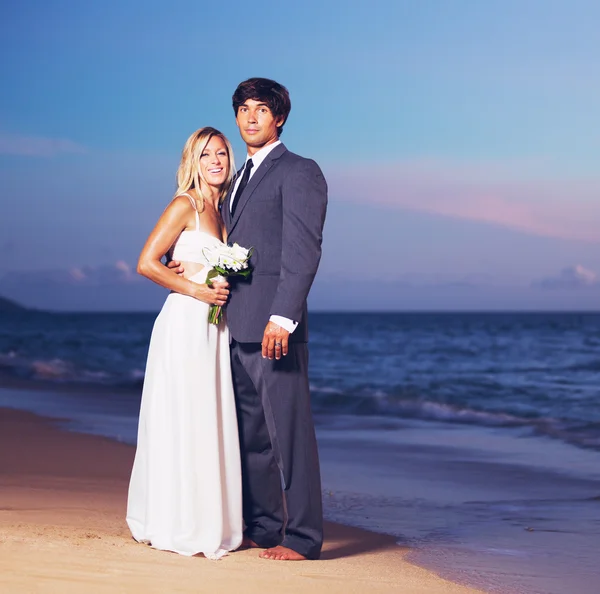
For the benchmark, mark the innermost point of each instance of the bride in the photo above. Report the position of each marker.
(185, 489)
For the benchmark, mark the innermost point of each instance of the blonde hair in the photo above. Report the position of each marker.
(189, 175)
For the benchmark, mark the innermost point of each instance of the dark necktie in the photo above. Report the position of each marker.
(243, 184)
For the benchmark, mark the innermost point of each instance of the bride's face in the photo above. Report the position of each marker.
(214, 162)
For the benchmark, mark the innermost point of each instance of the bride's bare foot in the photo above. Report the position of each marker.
(248, 543)
(281, 553)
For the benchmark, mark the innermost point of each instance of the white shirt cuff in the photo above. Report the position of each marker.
(285, 323)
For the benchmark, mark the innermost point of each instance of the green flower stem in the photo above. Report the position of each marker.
(215, 313)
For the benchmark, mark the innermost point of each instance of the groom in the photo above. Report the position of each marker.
(277, 206)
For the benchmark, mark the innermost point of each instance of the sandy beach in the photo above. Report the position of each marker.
(62, 529)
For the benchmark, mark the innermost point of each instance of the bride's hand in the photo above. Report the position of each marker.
(217, 294)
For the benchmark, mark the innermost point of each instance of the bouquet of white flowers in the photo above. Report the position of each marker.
(225, 260)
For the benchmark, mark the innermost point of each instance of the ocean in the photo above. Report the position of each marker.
(474, 438)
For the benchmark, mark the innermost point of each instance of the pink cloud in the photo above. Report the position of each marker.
(126, 271)
(494, 194)
(37, 146)
(118, 273)
(77, 274)
(571, 277)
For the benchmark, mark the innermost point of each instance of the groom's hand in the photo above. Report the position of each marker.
(175, 266)
(275, 341)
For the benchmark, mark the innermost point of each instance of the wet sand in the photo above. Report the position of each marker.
(62, 529)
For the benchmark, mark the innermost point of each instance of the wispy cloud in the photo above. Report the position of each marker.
(566, 209)
(37, 146)
(571, 277)
(111, 287)
(118, 273)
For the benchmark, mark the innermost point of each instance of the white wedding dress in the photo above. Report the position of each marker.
(185, 493)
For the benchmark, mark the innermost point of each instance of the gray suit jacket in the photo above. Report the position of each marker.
(281, 215)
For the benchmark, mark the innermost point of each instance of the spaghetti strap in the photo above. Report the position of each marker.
(193, 203)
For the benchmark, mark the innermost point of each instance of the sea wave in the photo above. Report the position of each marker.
(492, 409)
(62, 371)
(378, 403)
(573, 431)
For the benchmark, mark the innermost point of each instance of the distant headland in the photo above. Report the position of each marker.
(9, 305)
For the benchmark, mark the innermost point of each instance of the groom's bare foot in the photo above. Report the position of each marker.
(248, 543)
(281, 553)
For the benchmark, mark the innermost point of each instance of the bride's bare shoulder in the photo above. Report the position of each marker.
(179, 211)
(191, 192)
(183, 202)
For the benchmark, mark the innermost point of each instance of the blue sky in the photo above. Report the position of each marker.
(460, 140)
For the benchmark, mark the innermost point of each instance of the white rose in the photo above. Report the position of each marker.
(238, 252)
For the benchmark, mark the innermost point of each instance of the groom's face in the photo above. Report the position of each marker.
(257, 124)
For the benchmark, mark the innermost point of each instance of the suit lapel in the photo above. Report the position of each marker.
(226, 204)
(254, 183)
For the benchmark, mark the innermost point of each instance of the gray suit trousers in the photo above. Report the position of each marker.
(278, 442)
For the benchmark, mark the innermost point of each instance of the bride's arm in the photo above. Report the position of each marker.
(171, 223)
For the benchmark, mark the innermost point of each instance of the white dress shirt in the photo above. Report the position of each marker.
(257, 159)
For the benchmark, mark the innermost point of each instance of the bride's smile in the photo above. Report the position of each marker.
(214, 163)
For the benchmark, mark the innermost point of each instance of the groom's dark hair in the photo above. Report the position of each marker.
(276, 96)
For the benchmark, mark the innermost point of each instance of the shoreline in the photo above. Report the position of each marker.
(62, 527)
(496, 509)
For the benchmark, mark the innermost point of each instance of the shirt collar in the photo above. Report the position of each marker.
(260, 155)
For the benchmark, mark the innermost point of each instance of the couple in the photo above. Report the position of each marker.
(226, 453)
